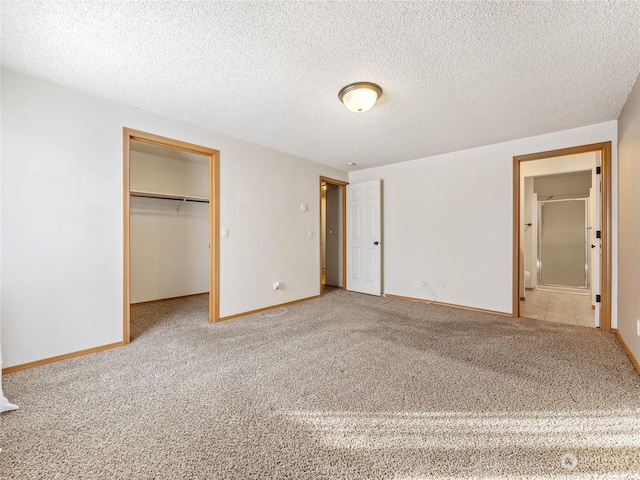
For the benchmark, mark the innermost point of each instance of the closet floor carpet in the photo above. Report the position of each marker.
(345, 386)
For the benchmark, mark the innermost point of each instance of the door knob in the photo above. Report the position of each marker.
(376, 243)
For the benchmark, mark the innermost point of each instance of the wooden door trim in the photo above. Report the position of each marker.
(343, 184)
(604, 148)
(214, 220)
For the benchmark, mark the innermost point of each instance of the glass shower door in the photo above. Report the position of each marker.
(563, 243)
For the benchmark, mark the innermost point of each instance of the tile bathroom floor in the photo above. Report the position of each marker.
(559, 307)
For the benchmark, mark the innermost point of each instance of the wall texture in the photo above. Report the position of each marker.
(62, 219)
(448, 218)
(629, 273)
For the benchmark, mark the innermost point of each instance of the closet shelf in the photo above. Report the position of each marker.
(167, 196)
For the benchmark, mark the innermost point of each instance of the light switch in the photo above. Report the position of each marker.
(225, 233)
(331, 231)
(310, 233)
(303, 207)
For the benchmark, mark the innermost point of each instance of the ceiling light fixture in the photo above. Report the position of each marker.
(360, 96)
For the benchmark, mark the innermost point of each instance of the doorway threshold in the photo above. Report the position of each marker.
(562, 289)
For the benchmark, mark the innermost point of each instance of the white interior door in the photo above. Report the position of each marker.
(596, 242)
(364, 238)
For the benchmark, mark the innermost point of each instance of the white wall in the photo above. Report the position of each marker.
(169, 249)
(449, 218)
(557, 165)
(169, 238)
(62, 219)
(629, 279)
(155, 173)
(568, 185)
(1, 356)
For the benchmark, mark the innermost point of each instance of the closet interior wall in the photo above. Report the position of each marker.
(169, 223)
(334, 238)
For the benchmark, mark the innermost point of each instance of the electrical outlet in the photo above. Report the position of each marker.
(276, 285)
(443, 283)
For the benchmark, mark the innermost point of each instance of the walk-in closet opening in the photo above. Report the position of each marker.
(171, 222)
(332, 233)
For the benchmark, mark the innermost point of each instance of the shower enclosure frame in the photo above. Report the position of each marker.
(587, 228)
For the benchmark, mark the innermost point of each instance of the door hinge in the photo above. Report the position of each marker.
(598, 234)
(597, 298)
(598, 170)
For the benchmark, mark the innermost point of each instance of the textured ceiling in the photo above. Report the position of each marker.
(455, 75)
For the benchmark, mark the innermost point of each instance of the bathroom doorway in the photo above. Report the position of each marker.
(562, 224)
(558, 276)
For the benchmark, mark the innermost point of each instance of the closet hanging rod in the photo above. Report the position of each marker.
(166, 196)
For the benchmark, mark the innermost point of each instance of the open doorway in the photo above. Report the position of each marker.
(562, 228)
(170, 201)
(560, 221)
(332, 233)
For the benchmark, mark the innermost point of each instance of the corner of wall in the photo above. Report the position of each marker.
(628, 302)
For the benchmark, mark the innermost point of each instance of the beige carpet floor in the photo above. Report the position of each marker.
(346, 386)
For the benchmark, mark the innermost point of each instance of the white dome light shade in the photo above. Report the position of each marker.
(360, 96)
